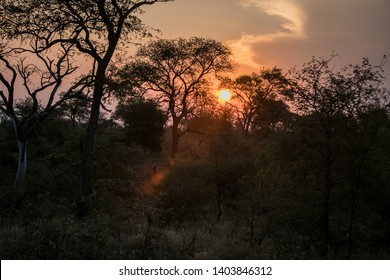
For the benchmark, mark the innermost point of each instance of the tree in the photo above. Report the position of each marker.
(250, 92)
(144, 123)
(272, 115)
(94, 27)
(76, 109)
(334, 103)
(44, 79)
(178, 72)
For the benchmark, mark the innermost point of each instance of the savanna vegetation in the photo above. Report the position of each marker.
(294, 165)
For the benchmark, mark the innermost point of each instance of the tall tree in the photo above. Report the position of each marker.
(178, 72)
(94, 27)
(333, 100)
(250, 92)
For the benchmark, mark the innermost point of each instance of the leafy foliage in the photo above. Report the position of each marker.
(307, 184)
(177, 74)
(144, 123)
(251, 91)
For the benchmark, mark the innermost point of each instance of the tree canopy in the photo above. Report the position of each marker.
(251, 91)
(94, 28)
(144, 123)
(178, 73)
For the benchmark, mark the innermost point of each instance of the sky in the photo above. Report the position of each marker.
(282, 33)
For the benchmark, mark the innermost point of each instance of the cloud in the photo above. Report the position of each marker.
(291, 26)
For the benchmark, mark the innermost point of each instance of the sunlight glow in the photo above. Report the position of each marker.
(151, 186)
(224, 95)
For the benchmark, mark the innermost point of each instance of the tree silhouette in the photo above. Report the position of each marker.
(272, 115)
(178, 72)
(95, 28)
(334, 101)
(144, 123)
(44, 79)
(251, 91)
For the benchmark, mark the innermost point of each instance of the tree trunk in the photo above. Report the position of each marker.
(22, 163)
(86, 164)
(175, 139)
(98, 90)
(87, 149)
(246, 129)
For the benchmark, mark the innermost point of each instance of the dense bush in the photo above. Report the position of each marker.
(303, 185)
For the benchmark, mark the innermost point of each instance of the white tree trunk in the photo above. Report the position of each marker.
(22, 163)
(22, 159)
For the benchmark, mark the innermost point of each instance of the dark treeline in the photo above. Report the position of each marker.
(304, 183)
(294, 166)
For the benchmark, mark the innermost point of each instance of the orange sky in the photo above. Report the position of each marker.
(282, 33)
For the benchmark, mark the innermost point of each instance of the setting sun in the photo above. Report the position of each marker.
(224, 95)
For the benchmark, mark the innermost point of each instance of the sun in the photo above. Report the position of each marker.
(224, 95)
